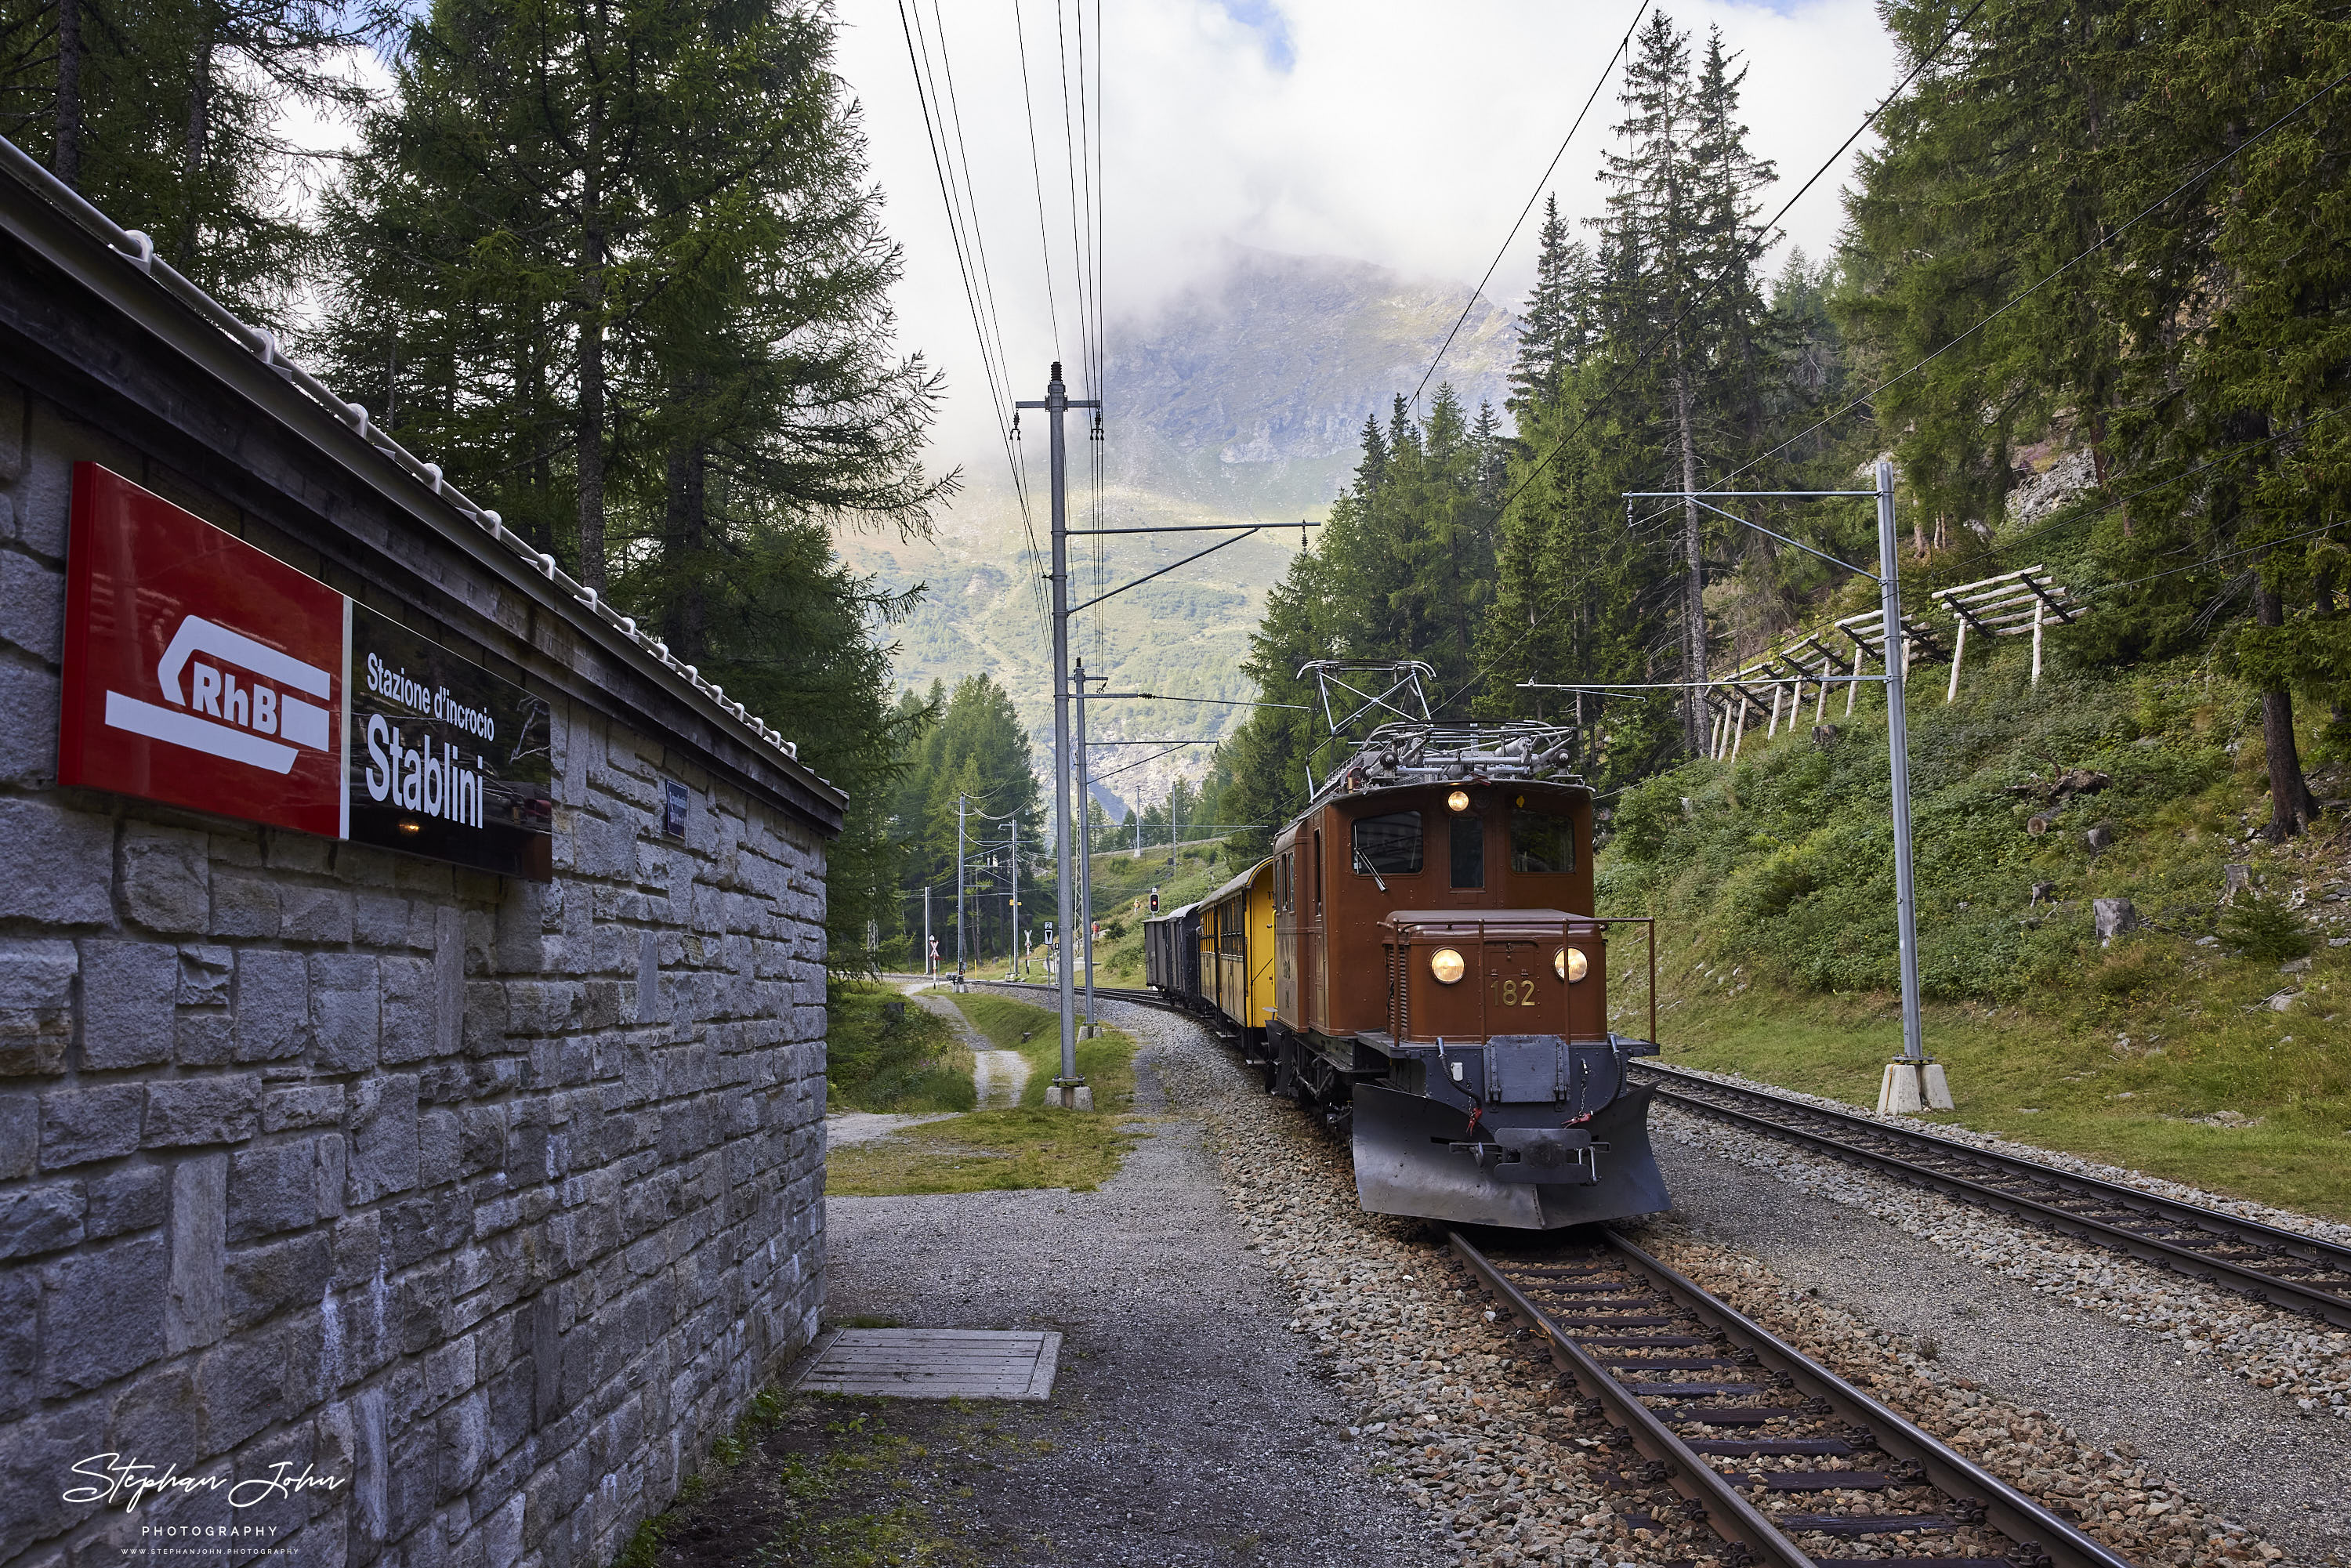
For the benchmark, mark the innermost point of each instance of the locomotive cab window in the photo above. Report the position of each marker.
(1389, 845)
(1468, 850)
(1541, 844)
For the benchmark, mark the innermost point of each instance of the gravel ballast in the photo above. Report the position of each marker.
(2010, 1375)
(1329, 1387)
(1464, 1412)
(2307, 1363)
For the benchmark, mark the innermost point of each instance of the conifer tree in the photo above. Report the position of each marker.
(1556, 324)
(618, 265)
(165, 114)
(1656, 214)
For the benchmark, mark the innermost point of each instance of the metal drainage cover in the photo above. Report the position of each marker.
(935, 1363)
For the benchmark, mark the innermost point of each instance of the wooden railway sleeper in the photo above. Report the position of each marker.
(1970, 1486)
(1973, 1496)
(1729, 1513)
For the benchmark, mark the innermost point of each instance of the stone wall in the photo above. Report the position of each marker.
(489, 1203)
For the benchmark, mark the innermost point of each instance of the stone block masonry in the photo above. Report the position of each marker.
(485, 1204)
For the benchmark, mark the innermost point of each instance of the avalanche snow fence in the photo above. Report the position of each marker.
(411, 1000)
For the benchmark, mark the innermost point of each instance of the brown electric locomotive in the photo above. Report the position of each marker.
(1416, 960)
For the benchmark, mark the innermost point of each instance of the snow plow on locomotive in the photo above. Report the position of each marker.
(1409, 963)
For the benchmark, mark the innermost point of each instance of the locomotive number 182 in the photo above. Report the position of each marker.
(1515, 993)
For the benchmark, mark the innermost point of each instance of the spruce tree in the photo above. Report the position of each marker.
(1657, 213)
(1556, 326)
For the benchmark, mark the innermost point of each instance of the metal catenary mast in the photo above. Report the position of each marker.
(1058, 403)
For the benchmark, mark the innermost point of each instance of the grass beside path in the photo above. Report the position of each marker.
(2222, 1092)
(985, 1151)
(886, 1053)
(1106, 1063)
(1005, 1150)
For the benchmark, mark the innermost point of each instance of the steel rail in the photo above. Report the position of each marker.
(2057, 1203)
(2039, 1535)
(1730, 1513)
(1139, 997)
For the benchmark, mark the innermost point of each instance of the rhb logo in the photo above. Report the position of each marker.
(218, 717)
(199, 669)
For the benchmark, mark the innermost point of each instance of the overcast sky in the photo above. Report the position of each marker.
(1395, 132)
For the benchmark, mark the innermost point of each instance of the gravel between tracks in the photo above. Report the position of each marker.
(2249, 1456)
(1463, 1413)
(2161, 1186)
(2309, 1365)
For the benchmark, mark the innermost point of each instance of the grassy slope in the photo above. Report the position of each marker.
(1122, 884)
(1774, 887)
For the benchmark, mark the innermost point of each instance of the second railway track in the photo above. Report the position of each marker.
(2299, 1273)
(1785, 1461)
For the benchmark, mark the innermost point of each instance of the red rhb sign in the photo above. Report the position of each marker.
(198, 669)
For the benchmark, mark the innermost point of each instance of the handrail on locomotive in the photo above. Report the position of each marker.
(1467, 857)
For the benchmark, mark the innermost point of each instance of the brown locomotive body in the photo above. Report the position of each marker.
(1436, 986)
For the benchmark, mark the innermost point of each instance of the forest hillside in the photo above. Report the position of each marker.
(2092, 302)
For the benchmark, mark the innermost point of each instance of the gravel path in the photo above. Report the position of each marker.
(1186, 1426)
(843, 1128)
(998, 1076)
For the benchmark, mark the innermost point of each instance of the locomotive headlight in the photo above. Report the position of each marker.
(1569, 964)
(1457, 802)
(1447, 967)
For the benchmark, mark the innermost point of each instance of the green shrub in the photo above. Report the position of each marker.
(2264, 929)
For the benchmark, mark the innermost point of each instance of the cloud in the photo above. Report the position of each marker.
(1390, 131)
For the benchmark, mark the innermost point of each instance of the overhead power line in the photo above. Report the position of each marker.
(2020, 296)
(1753, 248)
(1480, 292)
(1140, 762)
(1037, 177)
(1763, 238)
(970, 263)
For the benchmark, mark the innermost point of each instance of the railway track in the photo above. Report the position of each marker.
(1141, 998)
(2299, 1273)
(1777, 1454)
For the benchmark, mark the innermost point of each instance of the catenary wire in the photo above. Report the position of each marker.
(1763, 233)
(1480, 292)
(1036, 178)
(970, 202)
(924, 93)
(1754, 247)
(971, 194)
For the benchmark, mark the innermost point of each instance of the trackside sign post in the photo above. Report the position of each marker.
(202, 672)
